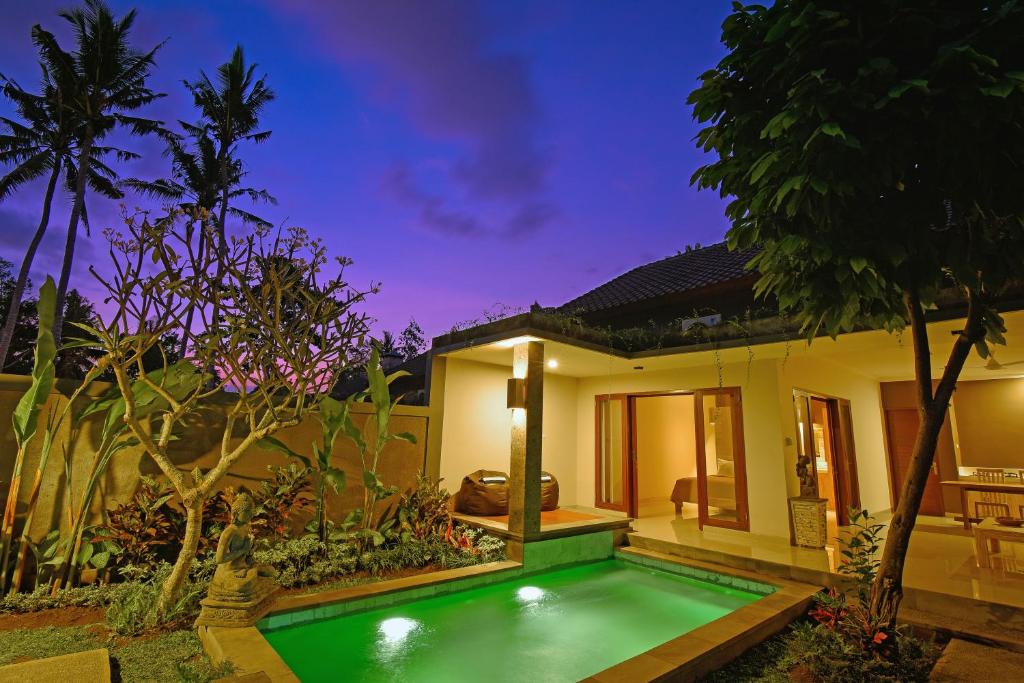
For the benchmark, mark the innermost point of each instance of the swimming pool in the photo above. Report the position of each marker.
(560, 625)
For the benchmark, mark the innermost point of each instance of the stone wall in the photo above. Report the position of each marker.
(198, 446)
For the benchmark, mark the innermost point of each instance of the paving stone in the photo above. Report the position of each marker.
(966, 661)
(92, 666)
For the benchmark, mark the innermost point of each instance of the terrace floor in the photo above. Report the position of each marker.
(941, 557)
(563, 521)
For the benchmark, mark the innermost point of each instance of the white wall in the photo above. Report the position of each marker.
(477, 425)
(758, 382)
(824, 377)
(665, 444)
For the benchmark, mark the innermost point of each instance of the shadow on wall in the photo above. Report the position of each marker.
(197, 446)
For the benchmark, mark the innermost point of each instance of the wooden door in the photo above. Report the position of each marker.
(902, 431)
(847, 484)
(721, 460)
(612, 472)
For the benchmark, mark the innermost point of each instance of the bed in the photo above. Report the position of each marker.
(721, 492)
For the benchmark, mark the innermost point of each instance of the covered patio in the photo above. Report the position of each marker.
(562, 430)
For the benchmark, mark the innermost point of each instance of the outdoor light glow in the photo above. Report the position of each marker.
(514, 341)
(528, 594)
(395, 629)
(552, 363)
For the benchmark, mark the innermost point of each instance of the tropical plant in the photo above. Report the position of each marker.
(143, 528)
(280, 500)
(101, 81)
(333, 417)
(26, 417)
(371, 449)
(283, 334)
(139, 607)
(424, 511)
(873, 156)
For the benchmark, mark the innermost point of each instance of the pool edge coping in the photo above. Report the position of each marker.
(706, 648)
(248, 645)
(683, 658)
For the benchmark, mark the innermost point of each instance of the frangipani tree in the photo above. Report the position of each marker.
(284, 333)
(873, 151)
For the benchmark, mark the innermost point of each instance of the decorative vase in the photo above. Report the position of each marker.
(809, 521)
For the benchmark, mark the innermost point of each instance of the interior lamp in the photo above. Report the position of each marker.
(516, 392)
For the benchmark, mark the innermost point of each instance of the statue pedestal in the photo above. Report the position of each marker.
(234, 608)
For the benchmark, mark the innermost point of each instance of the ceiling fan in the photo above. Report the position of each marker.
(993, 364)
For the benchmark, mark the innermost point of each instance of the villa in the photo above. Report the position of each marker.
(697, 436)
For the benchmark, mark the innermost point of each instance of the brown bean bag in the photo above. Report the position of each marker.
(548, 491)
(477, 497)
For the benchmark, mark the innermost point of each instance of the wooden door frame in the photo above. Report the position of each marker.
(844, 477)
(742, 522)
(626, 447)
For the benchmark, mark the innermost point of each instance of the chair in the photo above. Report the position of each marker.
(983, 509)
(990, 475)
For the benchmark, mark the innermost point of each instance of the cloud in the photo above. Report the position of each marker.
(436, 63)
(432, 213)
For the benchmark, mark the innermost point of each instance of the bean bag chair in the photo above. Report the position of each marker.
(484, 493)
(548, 491)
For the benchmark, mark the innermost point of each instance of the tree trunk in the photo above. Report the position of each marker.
(84, 158)
(7, 333)
(887, 588)
(193, 529)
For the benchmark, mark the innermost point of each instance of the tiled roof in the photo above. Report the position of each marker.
(683, 272)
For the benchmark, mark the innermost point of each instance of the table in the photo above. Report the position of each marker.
(974, 484)
(987, 535)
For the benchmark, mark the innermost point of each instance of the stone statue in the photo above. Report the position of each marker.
(241, 591)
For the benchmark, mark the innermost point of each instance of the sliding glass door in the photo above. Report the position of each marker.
(721, 460)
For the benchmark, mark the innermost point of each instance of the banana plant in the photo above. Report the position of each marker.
(378, 394)
(54, 423)
(26, 414)
(176, 380)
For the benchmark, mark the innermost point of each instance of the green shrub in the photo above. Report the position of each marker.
(134, 609)
(832, 658)
(96, 595)
(475, 547)
(306, 560)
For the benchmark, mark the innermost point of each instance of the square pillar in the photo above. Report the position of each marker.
(527, 432)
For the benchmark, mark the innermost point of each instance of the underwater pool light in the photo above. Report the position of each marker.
(529, 594)
(395, 629)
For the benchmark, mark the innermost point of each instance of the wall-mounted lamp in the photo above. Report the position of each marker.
(516, 392)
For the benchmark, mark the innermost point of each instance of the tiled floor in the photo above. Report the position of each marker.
(941, 557)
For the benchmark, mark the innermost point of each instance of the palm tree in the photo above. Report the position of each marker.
(39, 143)
(105, 77)
(43, 141)
(231, 111)
(195, 184)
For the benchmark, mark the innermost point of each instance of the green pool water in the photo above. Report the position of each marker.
(561, 625)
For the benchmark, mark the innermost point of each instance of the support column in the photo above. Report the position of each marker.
(527, 431)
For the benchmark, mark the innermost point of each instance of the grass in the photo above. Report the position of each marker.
(49, 641)
(765, 663)
(175, 656)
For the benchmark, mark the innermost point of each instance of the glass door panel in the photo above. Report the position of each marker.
(612, 448)
(721, 463)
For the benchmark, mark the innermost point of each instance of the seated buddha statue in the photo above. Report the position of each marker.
(240, 590)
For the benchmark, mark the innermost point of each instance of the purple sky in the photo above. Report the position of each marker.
(464, 154)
